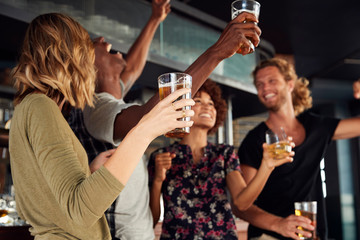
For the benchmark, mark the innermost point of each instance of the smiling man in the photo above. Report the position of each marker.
(286, 97)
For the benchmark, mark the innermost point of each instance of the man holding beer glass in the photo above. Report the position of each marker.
(286, 97)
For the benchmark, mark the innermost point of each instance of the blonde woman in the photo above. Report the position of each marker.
(55, 191)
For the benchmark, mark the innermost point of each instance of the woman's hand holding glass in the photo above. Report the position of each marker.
(165, 117)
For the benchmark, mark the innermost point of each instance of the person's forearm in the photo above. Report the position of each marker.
(201, 69)
(128, 154)
(129, 117)
(259, 218)
(155, 194)
(137, 54)
(347, 128)
(247, 197)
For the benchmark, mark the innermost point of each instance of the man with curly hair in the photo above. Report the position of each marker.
(287, 97)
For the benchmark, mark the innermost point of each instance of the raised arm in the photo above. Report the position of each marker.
(347, 128)
(161, 119)
(232, 38)
(243, 196)
(137, 55)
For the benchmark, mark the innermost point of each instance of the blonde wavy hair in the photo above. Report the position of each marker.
(57, 59)
(301, 98)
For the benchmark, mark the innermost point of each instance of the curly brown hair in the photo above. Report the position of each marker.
(215, 93)
(301, 94)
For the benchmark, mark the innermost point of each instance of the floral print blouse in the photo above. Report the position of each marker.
(196, 205)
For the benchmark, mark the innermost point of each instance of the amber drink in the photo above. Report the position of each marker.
(168, 83)
(279, 146)
(3, 213)
(249, 6)
(280, 150)
(309, 210)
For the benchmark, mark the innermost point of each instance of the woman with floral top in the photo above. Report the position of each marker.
(192, 175)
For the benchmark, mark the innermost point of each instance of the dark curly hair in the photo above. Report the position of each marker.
(215, 93)
(301, 97)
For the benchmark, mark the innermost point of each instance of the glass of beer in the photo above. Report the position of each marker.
(278, 144)
(3, 208)
(168, 83)
(309, 210)
(249, 6)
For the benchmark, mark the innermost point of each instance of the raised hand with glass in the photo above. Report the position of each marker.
(249, 6)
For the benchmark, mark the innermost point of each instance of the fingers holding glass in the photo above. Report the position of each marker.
(246, 11)
(168, 83)
(279, 144)
(308, 210)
